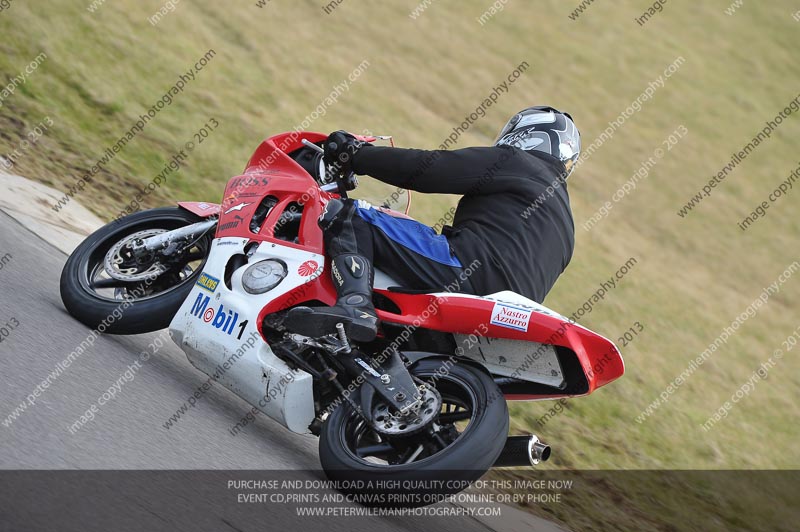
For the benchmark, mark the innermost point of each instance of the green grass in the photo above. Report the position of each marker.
(694, 276)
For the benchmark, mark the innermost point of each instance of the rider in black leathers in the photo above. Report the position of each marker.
(514, 220)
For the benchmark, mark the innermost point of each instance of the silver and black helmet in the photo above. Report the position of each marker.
(543, 129)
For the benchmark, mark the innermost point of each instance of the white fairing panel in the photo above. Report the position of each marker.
(528, 361)
(216, 329)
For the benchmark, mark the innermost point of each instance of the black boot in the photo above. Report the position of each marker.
(352, 277)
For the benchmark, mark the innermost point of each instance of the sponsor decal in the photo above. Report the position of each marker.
(535, 307)
(237, 207)
(232, 225)
(308, 268)
(203, 206)
(220, 318)
(354, 267)
(324, 214)
(511, 316)
(208, 282)
(336, 274)
(248, 181)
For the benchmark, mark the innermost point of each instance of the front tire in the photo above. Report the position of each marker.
(92, 299)
(465, 459)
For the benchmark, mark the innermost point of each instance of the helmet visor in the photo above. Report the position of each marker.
(529, 117)
(512, 122)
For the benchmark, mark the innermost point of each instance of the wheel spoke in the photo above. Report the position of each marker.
(195, 255)
(377, 449)
(116, 255)
(108, 283)
(414, 455)
(450, 420)
(455, 416)
(438, 439)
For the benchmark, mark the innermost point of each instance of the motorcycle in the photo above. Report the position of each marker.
(425, 400)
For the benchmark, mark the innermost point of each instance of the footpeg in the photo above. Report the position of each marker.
(343, 338)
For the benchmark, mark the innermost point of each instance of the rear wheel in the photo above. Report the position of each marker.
(103, 280)
(457, 446)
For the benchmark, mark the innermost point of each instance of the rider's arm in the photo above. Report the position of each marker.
(483, 170)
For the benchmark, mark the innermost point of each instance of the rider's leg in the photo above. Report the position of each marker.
(348, 244)
(415, 267)
(355, 234)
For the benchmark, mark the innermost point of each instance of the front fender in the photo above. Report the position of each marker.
(200, 208)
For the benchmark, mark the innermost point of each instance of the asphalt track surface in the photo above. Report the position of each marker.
(128, 433)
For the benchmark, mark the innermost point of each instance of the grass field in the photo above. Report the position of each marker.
(694, 274)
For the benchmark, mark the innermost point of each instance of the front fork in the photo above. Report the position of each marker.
(163, 241)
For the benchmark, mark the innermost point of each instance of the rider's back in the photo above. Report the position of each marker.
(514, 217)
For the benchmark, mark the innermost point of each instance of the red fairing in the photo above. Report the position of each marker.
(599, 358)
(200, 208)
(270, 156)
(320, 289)
(272, 172)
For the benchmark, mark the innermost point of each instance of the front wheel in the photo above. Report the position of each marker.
(459, 444)
(104, 281)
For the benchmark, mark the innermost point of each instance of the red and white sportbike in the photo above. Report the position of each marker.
(426, 399)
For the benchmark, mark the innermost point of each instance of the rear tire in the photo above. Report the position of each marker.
(463, 461)
(135, 316)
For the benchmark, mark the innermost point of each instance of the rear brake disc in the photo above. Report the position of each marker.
(414, 420)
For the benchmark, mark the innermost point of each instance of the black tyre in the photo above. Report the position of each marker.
(137, 306)
(472, 430)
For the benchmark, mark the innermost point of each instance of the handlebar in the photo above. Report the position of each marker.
(342, 183)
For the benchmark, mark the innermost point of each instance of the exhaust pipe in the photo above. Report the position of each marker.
(523, 451)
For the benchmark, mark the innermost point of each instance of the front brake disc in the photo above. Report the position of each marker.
(123, 264)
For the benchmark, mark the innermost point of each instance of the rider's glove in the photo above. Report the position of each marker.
(340, 147)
